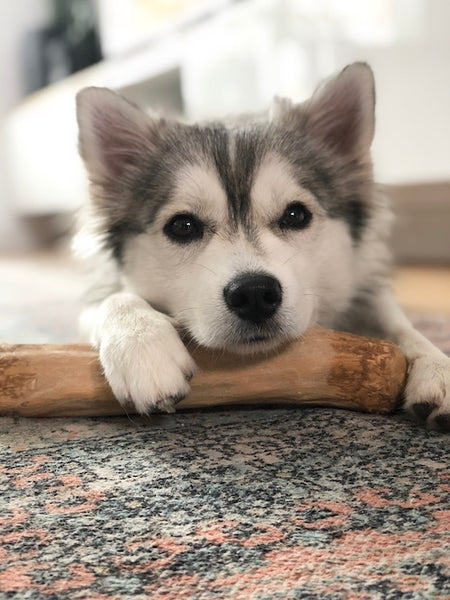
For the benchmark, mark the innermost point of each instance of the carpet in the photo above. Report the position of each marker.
(245, 504)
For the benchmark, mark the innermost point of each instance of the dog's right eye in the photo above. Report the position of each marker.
(295, 216)
(183, 228)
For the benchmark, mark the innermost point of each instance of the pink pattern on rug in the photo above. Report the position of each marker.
(376, 498)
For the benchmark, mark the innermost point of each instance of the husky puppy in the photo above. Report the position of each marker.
(241, 234)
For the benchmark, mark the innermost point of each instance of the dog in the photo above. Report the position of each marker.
(241, 234)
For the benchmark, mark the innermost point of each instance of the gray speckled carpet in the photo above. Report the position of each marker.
(246, 504)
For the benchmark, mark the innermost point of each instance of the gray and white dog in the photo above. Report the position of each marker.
(242, 234)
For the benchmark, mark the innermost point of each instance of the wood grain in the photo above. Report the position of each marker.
(324, 367)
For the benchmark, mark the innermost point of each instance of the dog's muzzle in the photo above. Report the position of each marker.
(253, 297)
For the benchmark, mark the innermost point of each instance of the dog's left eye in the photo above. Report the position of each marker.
(295, 216)
(184, 228)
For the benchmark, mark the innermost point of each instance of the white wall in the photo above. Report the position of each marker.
(16, 17)
(412, 141)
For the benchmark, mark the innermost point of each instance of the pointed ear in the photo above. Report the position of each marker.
(341, 113)
(113, 133)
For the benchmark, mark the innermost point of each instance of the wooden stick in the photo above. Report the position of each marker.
(324, 368)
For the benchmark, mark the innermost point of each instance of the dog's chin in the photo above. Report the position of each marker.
(255, 346)
(250, 345)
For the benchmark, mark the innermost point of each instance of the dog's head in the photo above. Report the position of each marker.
(244, 232)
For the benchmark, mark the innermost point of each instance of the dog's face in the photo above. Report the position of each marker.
(245, 233)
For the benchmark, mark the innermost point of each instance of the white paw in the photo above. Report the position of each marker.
(149, 367)
(427, 393)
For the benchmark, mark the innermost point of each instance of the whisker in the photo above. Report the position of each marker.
(191, 344)
(207, 305)
(207, 268)
(291, 257)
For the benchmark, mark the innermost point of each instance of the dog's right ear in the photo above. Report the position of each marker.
(114, 133)
(340, 114)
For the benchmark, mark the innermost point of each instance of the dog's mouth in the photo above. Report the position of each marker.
(239, 338)
(253, 344)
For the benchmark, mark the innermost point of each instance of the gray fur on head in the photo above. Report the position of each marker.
(132, 157)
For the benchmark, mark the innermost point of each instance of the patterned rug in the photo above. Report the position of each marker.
(245, 504)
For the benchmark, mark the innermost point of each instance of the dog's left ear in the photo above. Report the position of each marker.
(341, 112)
(114, 134)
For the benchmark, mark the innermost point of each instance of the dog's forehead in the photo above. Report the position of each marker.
(237, 172)
(215, 169)
(236, 159)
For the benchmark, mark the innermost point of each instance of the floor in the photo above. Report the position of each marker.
(40, 298)
(422, 288)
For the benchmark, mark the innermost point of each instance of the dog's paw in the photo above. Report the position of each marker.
(427, 393)
(151, 368)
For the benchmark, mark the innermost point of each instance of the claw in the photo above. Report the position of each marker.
(178, 398)
(442, 422)
(166, 405)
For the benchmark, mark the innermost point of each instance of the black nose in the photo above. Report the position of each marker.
(253, 297)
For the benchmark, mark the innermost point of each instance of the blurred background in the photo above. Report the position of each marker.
(199, 58)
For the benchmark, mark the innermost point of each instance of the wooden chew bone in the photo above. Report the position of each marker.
(324, 367)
